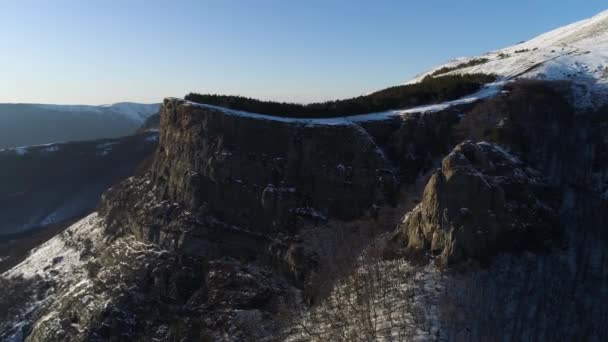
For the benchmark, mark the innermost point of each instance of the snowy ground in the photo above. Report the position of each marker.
(60, 256)
(577, 52)
(59, 263)
(382, 301)
(530, 297)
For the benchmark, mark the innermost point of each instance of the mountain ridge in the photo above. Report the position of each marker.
(36, 124)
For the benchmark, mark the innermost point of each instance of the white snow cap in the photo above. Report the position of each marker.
(576, 52)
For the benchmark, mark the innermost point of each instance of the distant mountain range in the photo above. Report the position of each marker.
(34, 124)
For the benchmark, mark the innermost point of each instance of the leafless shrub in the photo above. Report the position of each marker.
(378, 300)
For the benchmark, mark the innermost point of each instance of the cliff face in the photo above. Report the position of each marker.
(215, 239)
(237, 182)
(258, 173)
(538, 121)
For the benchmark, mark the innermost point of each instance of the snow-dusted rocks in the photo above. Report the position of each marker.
(52, 271)
(60, 256)
(482, 200)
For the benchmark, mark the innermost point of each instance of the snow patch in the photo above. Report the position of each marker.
(20, 150)
(23, 150)
(309, 212)
(152, 138)
(503, 151)
(105, 148)
(59, 257)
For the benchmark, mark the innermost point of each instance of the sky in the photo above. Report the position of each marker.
(107, 51)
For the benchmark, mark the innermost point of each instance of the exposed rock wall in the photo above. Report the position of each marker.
(481, 201)
(229, 185)
(534, 118)
(485, 200)
(256, 173)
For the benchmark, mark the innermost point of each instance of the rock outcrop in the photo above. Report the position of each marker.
(482, 201)
(258, 173)
(224, 183)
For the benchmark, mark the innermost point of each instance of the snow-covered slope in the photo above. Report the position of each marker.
(61, 272)
(576, 52)
(50, 270)
(59, 257)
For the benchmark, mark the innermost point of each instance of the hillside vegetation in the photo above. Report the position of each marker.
(429, 90)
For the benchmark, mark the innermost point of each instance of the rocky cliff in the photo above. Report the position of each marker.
(258, 173)
(480, 202)
(228, 197)
(228, 184)
(242, 220)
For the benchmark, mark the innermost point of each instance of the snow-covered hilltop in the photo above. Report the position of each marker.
(576, 52)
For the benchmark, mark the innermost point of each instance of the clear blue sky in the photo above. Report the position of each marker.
(94, 51)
